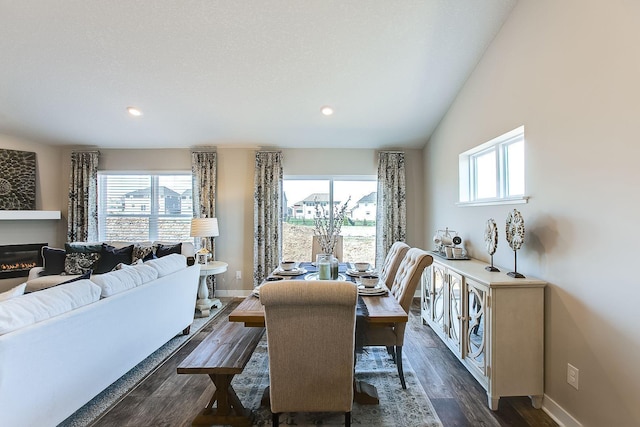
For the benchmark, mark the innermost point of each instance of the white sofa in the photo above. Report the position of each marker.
(51, 368)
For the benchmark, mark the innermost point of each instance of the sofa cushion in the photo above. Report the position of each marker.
(110, 257)
(124, 279)
(168, 264)
(80, 262)
(164, 250)
(52, 260)
(13, 292)
(31, 308)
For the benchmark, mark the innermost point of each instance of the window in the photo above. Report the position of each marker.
(493, 172)
(139, 207)
(358, 229)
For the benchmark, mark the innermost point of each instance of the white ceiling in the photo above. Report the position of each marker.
(237, 72)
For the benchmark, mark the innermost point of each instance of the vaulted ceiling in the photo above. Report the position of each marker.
(237, 72)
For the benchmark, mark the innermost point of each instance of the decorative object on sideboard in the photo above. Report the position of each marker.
(491, 241)
(204, 228)
(515, 237)
(17, 180)
(448, 244)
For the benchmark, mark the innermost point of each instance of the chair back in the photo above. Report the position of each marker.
(392, 261)
(310, 340)
(315, 248)
(408, 276)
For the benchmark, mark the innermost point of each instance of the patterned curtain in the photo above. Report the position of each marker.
(391, 212)
(267, 214)
(203, 171)
(82, 222)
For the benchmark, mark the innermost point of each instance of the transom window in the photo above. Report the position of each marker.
(139, 207)
(493, 172)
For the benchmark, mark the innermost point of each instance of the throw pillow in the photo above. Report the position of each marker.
(13, 292)
(82, 247)
(164, 250)
(86, 275)
(143, 252)
(111, 256)
(52, 260)
(79, 262)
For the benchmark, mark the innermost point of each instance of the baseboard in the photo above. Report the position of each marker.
(558, 413)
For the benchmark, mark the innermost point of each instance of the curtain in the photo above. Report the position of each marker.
(391, 212)
(82, 218)
(267, 214)
(203, 171)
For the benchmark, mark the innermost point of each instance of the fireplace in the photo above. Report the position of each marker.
(17, 260)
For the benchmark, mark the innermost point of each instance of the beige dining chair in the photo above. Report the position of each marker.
(315, 248)
(392, 261)
(310, 341)
(403, 289)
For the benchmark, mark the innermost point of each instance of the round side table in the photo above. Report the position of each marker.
(204, 304)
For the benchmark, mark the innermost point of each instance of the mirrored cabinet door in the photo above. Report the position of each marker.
(455, 311)
(475, 318)
(439, 278)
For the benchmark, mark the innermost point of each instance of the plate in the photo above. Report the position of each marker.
(377, 290)
(293, 272)
(314, 276)
(356, 273)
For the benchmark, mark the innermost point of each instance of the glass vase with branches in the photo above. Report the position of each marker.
(327, 226)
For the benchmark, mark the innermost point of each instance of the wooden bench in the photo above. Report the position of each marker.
(221, 355)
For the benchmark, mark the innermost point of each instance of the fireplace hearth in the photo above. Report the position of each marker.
(17, 260)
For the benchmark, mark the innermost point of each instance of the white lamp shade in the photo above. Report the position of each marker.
(204, 227)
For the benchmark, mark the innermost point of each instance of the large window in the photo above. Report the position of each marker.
(494, 171)
(139, 207)
(358, 229)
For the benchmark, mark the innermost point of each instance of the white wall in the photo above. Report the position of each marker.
(569, 71)
(49, 196)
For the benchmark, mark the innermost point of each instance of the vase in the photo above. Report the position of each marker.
(324, 266)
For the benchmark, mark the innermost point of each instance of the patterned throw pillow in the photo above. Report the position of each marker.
(80, 262)
(143, 252)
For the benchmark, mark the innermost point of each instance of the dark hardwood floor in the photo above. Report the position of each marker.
(165, 399)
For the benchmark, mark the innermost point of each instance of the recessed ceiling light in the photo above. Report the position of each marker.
(326, 110)
(134, 111)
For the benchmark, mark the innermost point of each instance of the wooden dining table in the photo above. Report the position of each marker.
(381, 311)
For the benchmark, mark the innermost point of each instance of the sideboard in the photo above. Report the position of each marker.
(493, 323)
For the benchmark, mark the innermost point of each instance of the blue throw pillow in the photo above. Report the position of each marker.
(164, 250)
(111, 256)
(86, 275)
(52, 261)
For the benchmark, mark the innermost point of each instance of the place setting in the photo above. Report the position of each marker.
(289, 268)
(357, 269)
(371, 285)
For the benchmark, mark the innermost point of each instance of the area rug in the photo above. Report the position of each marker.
(398, 407)
(112, 394)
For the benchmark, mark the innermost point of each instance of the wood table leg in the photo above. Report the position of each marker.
(229, 410)
(365, 393)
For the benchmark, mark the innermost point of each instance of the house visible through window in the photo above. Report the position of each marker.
(139, 207)
(358, 229)
(494, 171)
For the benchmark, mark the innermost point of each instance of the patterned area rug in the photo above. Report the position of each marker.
(398, 407)
(112, 394)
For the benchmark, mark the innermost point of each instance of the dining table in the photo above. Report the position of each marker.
(378, 311)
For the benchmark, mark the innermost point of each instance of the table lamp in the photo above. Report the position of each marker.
(204, 228)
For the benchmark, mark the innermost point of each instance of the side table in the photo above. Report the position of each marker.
(204, 304)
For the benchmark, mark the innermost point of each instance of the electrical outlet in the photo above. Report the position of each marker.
(238, 275)
(572, 375)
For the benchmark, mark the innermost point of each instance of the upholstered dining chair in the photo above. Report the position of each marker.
(403, 289)
(311, 342)
(315, 248)
(392, 261)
